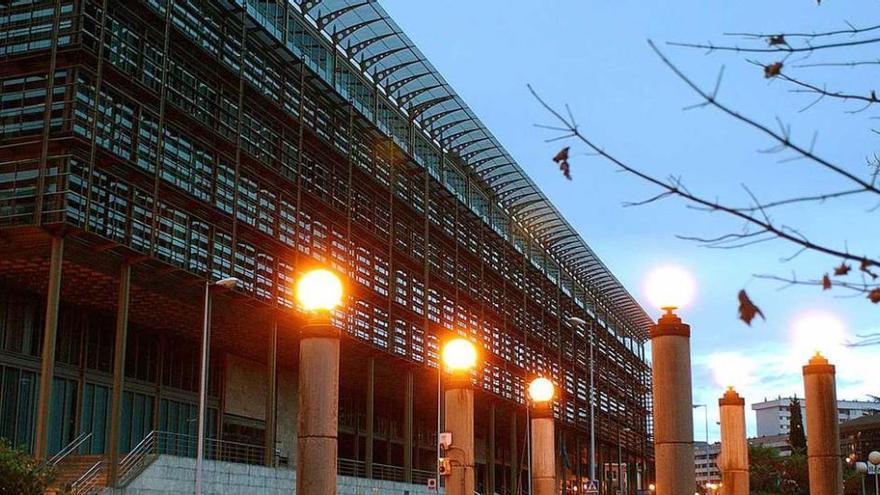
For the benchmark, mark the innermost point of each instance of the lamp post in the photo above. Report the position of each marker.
(706, 418)
(459, 357)
(862, 470)
(670, 288)
(734, 446)
(874, 458)
(226, 283)
(577, 321)
(543, 435)
(318, 292)
(823, 443)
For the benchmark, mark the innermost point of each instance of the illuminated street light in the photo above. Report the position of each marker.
(670, 288)
(318, 292)
(542, 454)
(459, 357)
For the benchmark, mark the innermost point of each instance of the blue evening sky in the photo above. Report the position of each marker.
(594, 55)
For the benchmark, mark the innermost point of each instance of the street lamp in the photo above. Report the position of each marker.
(543, 448)
(874, 458)
(706, 417)
(862, 469)
(223, 284)
(670, 288)
(459, 357)
(577, 321)
(318, 292)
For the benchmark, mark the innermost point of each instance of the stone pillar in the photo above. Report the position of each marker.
(673, 416)
(371, 416)
(408, 427)
(734, 457)
(272, 392)
(823, 442)
(318, 407)
(47, 370)
(459, 420)
(118, 372)
(543, 450)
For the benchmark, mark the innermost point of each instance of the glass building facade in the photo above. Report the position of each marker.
(198, 139)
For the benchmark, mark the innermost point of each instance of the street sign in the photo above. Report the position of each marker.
(592, 487)
(432, 484)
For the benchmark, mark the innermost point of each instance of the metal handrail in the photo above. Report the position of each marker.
(73, 445)
(87, 484)
(135, 458)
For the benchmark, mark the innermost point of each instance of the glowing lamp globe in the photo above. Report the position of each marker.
(459, 355)
(541, 390)
(670, 287)
(861, 468)
(319, 290)
(874, 458)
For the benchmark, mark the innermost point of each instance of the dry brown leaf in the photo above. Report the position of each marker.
(874, 296)
(772, 70)
(562, 159)
(826, 282)
(777, 39)
(843, 269)
(747, 309)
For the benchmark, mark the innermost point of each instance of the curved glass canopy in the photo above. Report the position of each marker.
(378, 48)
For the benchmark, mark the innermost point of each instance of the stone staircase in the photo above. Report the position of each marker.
(71, 469)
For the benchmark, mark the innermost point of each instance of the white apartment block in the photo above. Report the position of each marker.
(773, 416)
(707, 472)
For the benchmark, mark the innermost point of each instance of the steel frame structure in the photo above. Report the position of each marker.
(255, 138)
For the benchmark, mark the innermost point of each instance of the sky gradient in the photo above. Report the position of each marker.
(594, 56)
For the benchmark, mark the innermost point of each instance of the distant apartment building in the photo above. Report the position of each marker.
(706, 462)
(773, 416)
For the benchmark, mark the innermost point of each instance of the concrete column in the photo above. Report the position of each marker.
(823, 442)
(47, 370)
(408, 427)
(318, 408)
(514, 453)
(371, 416)
(118, 371)
(673, 416)
(490, 459)
(734, 457)
(459, 420)
(543, 450)
(272, 393)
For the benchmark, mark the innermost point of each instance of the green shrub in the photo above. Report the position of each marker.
(21, 474)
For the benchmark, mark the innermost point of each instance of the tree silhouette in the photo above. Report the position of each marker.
(796, 436)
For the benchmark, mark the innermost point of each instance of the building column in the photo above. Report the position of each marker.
(823, 442)
(408, 428)
(119, 352)
(371, 416)
(272, 392)
(490, 459)
(50, 332)
(514, 453)
(543, 445)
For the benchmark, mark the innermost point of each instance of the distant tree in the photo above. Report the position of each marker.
(800, 60)
(20, 474)
(771, 473)
(796, 437)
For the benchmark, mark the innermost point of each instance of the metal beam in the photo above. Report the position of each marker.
(119, 352)
(50, 332)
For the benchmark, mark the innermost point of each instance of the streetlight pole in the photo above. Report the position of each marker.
(318, 292)
(706, 417)
(226, 283)
(577, 321)
(874, 458)
(542, 448)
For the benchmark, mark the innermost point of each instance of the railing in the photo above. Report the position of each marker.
(90, 481)
(388, 473)
(73, 445)
(350, 467)
(177, 444)
(420, 477)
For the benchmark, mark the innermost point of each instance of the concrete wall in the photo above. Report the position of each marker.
(170, 475)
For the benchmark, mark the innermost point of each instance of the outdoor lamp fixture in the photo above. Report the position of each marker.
(652, 488)
(222, 284)
(543, 447)
(459, 357)
(669, 288)
(318, 292)
(874, 458)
